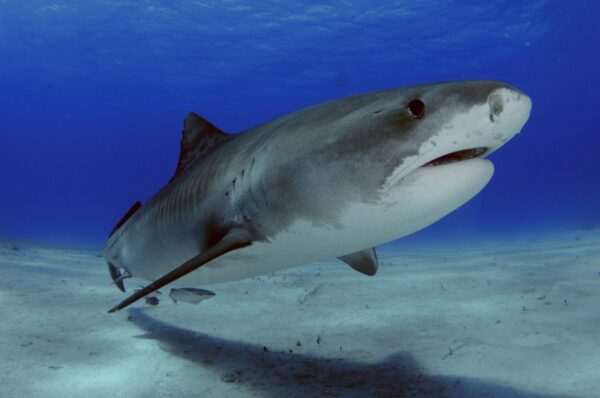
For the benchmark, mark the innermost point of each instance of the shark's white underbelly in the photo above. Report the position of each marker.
(424, 196)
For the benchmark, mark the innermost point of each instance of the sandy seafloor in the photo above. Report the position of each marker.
(518, 318)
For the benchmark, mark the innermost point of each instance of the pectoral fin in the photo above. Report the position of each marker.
(364, 261)
(233, 240)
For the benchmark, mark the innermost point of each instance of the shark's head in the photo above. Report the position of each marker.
(417, 153)
(430, 142)
(427, 128)
(446, 132)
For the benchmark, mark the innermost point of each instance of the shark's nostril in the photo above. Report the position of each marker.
(496, 103)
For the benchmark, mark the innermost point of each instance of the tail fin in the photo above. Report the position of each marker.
(115, 273)
(117, 276)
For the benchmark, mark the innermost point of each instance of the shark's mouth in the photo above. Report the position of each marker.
(457, 156)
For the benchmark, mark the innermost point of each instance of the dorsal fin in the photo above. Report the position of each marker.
(200, 137)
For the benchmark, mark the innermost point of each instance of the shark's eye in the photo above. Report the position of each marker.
(417, 108)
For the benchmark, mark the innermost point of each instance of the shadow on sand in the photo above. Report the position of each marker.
(276, 374)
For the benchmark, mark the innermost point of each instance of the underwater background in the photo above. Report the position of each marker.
(498, 299)
(93, 95)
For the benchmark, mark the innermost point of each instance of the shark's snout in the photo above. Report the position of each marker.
(509, 105)
(496, 104)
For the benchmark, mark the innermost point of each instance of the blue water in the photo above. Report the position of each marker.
(93, 94)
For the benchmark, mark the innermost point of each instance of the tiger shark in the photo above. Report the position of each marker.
(332, 180)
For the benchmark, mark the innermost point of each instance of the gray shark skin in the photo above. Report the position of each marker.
(332, 180)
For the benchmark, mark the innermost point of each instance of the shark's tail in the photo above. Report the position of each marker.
(119, 274)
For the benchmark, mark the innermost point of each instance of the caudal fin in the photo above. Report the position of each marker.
(115, 272)
(117, 276)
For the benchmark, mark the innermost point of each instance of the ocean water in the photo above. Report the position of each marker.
(485, 302)
(94, 94)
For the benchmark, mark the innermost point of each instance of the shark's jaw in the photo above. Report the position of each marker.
(429, 193)
(457, 156)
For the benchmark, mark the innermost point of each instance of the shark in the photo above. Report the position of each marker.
(333, 180)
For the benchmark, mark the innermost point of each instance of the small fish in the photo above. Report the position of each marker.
(190, 295)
